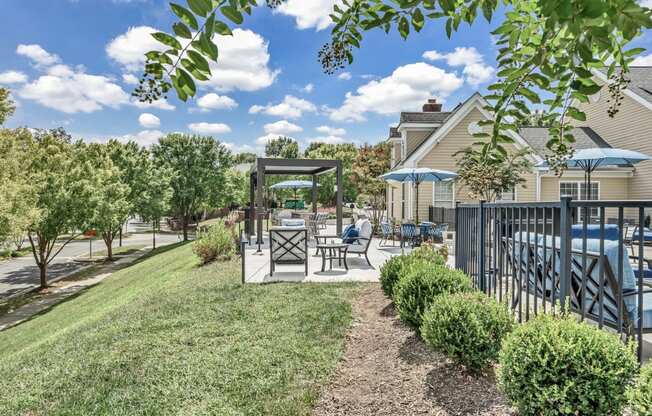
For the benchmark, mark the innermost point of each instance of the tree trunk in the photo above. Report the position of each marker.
(108, 241)
(153, 235)
(43, 268)
(185, 228)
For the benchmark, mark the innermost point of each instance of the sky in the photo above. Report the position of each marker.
(75, 63)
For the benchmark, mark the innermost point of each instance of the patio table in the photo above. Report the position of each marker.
(333, 251)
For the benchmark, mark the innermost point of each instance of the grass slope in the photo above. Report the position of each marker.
(167, 337)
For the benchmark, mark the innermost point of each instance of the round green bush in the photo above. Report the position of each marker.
(558, 366)
(468, 327)
(217, 243)
(641, 394)
(422, 282)
(391, 271)
(429, 253)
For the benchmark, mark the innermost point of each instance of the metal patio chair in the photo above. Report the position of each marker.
(409, 234)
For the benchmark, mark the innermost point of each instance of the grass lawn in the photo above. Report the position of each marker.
(124, 250)
(165, 336)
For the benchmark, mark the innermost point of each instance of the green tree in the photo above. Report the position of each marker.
(111, 201)
(64, 189)
(244, 157)
(17, 194)
(283, 148)
(370, 162)
(7, 106)
(198, 167)
(546, 48)
(346, 153)
(237, 189)
(154, 201)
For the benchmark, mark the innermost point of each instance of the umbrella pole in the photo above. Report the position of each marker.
(417, 203)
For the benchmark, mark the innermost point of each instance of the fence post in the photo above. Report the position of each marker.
(458, 252)
(565, 247)
(242, 257)
(481, 248)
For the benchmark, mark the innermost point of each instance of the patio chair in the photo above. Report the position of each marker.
(288, 245)
(386, 233)
(436, 232)
(360, 245)
(409, 234)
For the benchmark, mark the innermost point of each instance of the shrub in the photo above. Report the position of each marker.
(641, 395)
(468, 327)
(391, 271)
(429, 253)
(217, 242)
(558, 366)
(422, 282)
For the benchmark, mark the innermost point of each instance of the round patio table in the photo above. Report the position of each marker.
(333, 251)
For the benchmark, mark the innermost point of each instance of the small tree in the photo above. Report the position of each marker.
(487, 177)
(111, 195)
(198, 166)
(154, 201)
(283, 148)
(344, 152)
(7, 106)
(64, 189)
(370, 163)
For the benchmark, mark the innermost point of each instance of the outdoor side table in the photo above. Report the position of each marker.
(332, 252)
(323, 239)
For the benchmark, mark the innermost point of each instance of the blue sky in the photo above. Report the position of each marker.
(70, 63)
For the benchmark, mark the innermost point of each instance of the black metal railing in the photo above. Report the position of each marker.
(587, 257)
(441, 215)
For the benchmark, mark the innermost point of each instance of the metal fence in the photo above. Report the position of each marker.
(441, 215)
(584, 256)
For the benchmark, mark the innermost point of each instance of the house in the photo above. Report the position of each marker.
(431, 137)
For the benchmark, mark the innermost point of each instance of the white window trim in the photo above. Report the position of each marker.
(579, 185)
(452, 195)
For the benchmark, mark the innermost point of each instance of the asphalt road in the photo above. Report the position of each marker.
(19, 274)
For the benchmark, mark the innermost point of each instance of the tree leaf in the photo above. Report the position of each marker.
(207, 47)
(181, 30)
(200, 7)
(576, 114)
(232, 14)
(199, 61)
(168, 40)
(185, 15)
(222, 29)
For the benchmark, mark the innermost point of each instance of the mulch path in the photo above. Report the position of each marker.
(388, 370)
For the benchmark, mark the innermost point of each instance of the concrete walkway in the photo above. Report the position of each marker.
(65, 290)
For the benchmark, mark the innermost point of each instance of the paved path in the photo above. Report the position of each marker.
(20, 274)
(60, 293)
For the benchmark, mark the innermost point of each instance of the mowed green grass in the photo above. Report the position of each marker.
(166, 337)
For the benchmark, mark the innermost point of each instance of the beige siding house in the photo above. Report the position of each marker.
(430, 138)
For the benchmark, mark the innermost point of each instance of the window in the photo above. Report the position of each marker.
(509, 195)
(577, 191)
(442, 194)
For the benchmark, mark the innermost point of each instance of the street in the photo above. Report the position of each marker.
(21, 273)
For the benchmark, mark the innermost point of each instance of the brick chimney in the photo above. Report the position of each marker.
(431, 106)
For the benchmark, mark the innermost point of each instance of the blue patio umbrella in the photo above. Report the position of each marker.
(593, 158)
(417, 176)
(293, 184)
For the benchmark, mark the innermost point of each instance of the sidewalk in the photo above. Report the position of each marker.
(67, 289)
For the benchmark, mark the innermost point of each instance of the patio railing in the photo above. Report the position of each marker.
(574, 255)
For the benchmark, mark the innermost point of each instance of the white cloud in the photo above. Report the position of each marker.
(643, 60)
(646, 3)
(37, 54)
(240, 148)
(129, 48)
(161, 104)
(242, 64)
(263, 140)
(290, 107)
(309, 14)
(282, 127)
(12, 77)
(328, 140)
(209, 128)
(475, 69)
(149, 121)
(406, 88)
(212, 101)
(308, 88)
(344, 76)
(331, 131)
(73, 91)
(130, 79)
(144, 138)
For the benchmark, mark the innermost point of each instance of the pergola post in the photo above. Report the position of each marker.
(252, 205)
(260, 187)
(339, 200)
(314, 194)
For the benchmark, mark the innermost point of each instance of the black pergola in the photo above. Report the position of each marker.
(311, 167)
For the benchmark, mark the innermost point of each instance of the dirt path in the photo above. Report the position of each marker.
(388, 370)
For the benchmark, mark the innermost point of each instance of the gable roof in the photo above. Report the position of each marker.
(537, 137)
(424, 117)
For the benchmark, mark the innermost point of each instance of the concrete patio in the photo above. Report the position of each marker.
(257, 264)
